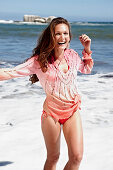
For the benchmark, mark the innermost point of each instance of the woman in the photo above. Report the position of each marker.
(56, 66)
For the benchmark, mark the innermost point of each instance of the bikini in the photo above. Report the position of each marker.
(62, 99)
(45, 115)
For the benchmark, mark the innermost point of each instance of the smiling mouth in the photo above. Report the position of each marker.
(61, 43)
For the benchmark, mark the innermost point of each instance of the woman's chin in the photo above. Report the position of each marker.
(63, 47)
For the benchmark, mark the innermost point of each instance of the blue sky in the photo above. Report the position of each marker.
(73, 10)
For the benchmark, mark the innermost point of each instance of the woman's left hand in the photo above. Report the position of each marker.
(86, 42)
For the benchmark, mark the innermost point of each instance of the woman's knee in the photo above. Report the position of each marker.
(76, 158)
(53, 158)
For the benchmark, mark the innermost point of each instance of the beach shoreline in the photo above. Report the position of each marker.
(89, 23)
(21, 22)
(30, 19)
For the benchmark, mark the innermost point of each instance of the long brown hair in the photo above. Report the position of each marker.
(46, 44)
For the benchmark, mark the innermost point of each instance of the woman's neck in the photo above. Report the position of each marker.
(59, 54)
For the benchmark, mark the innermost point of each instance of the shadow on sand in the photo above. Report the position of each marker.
(4, 163)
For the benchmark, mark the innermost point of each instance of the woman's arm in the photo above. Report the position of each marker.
(85, 64)
(25, 69)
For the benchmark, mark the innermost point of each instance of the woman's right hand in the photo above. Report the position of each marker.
(4, 74)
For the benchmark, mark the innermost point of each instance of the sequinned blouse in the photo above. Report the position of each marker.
(62, 98)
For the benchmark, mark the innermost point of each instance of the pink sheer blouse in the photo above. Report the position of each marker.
(62, 98)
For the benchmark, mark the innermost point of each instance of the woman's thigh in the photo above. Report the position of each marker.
(73, 133)
(51, 131)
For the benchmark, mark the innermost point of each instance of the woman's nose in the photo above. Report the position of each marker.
(62, 36)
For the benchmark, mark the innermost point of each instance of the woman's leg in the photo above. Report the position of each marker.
(51, 132)
(73, 133)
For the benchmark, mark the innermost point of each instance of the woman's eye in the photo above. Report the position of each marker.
(66, 33)
(57, 34)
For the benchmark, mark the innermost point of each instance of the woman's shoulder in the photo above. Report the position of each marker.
(33, 59)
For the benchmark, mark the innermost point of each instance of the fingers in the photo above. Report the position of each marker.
(86, 42)
(84, 38)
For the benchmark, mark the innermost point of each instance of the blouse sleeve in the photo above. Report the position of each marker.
(25, 69)
(85, 64)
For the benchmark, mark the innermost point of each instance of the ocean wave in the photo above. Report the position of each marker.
(108, 75)
(72, 23)
(4, 64)
(21, 22)
(6, 22)
(93, 23)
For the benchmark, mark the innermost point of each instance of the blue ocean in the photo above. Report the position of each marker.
(18, 40)
(21, 103)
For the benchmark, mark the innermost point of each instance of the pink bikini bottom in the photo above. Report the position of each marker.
(61, 121)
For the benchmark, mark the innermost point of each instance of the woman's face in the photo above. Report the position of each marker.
(62, 36)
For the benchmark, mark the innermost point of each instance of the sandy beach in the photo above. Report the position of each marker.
(22, 145)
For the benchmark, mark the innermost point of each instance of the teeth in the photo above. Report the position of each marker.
(61, 43)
